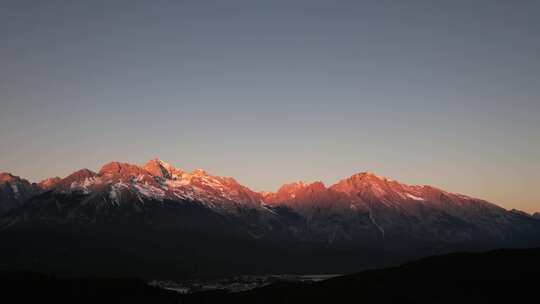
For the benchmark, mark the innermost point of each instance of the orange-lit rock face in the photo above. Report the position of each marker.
(302, 195)
(79, 175)
(367, 182)
(121, 170)
(159, 168)
(365, 192)
(350, 191)
(7, 177)
(49, 183)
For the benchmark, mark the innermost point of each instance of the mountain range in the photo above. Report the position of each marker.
(157, 220)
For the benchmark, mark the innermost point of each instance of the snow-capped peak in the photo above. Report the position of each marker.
(158, 180)
(157, 167)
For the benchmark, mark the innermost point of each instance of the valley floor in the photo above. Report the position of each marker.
(490, 277)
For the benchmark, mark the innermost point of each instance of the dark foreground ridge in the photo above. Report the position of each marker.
(502, 275)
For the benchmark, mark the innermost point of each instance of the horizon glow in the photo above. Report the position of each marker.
(445, 94)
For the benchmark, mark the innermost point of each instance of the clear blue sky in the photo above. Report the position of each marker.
(431, 92)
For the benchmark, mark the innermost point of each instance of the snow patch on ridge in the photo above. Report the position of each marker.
(150, 191)
(413, 197)
(372, 218)
(84, 185)
(115, 193)
(15, 190)
(114, 196)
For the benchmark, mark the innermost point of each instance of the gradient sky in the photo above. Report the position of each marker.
(445, 93)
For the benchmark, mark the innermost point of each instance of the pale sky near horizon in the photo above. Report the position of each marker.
(445, 93)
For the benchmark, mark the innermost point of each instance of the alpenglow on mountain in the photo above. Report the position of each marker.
(153, 216)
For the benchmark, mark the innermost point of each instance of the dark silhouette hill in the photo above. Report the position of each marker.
(501, 276)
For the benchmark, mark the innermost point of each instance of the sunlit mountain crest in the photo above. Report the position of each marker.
(386, 206)
(157, 179)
